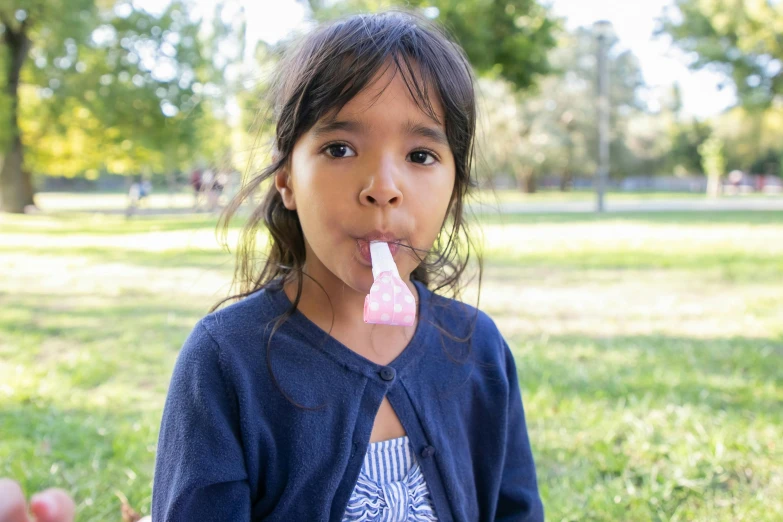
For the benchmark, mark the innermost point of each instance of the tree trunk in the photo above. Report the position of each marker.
(713, 185)
(526, 180)
(16, 187)
(566, 181)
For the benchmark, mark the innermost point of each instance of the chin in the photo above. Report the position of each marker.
(357, 275)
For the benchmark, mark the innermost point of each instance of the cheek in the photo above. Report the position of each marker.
(320, 209)
(431, 202)
(439, 194)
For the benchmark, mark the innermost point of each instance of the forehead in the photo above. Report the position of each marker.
(395, 94)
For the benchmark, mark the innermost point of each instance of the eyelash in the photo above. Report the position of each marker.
(338, 143)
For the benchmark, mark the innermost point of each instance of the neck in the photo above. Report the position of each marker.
(337, 308)
(325, 299)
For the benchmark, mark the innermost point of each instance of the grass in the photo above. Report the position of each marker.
(183, 199)
(648, 348)
(550, 195)
(58, 201)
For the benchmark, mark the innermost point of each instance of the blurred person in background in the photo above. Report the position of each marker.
(136, 194)
(196, 183)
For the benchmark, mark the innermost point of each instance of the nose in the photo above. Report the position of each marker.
(382, 188)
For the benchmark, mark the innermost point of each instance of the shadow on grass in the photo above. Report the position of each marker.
(113, 353)
(737, 266)
(654, 427)
(90, 453)
(65, 223)
(739, 376)
(600, 420)
(173, 258)
(130, 340)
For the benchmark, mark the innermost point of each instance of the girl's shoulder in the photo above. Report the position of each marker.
(231, 339)
(244, 320)
(470, 348)
(458, 319)
(228, 331)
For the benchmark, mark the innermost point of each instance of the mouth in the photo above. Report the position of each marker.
(363, 244)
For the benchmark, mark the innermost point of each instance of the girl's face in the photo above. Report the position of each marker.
(379, 169)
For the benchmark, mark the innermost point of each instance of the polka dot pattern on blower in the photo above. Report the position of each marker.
(389, 302)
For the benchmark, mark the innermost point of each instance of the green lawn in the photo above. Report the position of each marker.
(183, 199)
(549, 195)
(649, 350)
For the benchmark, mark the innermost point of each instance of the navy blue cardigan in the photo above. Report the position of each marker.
(234, 448)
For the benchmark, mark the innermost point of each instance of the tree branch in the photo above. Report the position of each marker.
(5, 21)
(8, 22)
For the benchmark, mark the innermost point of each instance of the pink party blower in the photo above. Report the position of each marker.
(390, 300)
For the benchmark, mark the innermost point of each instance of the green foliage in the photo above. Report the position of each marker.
(712, 156)
(751, 137)
(507, 39)
(552, 127)
(714, 162)
(109, 87)
(255, 135)
(737, 37)
(686, 138)
(5, 108)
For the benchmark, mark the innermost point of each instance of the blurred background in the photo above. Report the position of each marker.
(630, 205)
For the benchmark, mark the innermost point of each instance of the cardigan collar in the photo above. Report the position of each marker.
(425, 333)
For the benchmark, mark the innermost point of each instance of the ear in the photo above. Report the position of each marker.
(283, 186)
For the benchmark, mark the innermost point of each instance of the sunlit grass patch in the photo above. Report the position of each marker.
(647, 347)
(655, 428)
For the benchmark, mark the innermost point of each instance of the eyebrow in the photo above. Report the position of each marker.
(409, 127)
(332, 125)
(434, 133)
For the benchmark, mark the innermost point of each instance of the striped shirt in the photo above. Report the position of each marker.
(391, 487)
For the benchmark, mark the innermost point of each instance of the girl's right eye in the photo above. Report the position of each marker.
(339, 150)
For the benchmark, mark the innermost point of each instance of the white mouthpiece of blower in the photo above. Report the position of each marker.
(382, 260)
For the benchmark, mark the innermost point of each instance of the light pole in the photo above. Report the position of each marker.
(602, 29)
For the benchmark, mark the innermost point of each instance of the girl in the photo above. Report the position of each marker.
(286, 406)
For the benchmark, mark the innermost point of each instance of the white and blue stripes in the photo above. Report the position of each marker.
(391, 487)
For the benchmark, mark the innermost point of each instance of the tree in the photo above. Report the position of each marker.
(507, 39)
(21, 23)
(551, 128)
(739, 38)
(751, 137)
(255, 132)
(686, 140)
(574, 90)
(100, 86)
(714, 163)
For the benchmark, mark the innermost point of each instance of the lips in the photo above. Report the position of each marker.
(363, 243)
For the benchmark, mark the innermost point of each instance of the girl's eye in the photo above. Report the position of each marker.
(422, 157)
(339, 150)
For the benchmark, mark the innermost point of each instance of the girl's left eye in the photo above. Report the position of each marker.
(339, 150)
(422, 157)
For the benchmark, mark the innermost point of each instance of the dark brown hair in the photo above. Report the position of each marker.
(320, 75)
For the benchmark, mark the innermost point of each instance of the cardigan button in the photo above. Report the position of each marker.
(428, 452)
(387, 374)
